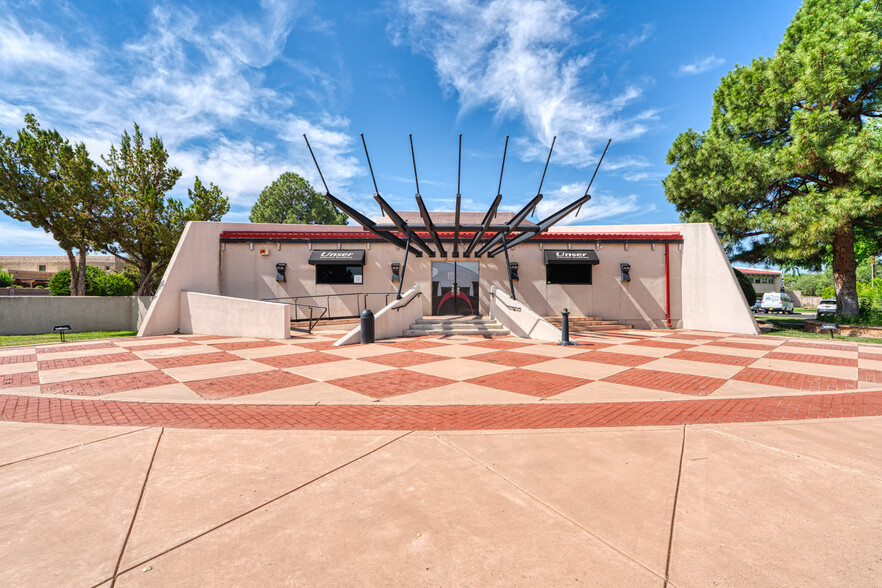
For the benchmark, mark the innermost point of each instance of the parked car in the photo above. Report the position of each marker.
(776, 302)
(756, 305)
(826, 307)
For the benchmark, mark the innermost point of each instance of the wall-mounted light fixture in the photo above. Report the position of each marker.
(280, 271)
(626, 272)
(513, 270)
(396, 272)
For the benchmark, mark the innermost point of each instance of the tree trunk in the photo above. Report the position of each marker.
(81, 286)
(72, 261)
(145, 273)
(844, 266)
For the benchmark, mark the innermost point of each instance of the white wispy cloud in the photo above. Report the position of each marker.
(701, 65)
(601, 206)
(15, 234)
(515, 57)
(193, 79)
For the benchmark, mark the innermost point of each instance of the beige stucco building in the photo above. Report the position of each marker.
(678, 275)
(763, 280)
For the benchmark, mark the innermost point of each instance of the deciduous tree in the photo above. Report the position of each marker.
(790, 169)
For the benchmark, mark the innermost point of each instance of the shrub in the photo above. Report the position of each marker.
(746, 287)
(60, 282)
(115, 285)
(6, 279)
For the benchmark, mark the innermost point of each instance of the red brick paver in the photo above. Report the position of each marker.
(77, 411)
(511, 358)
(12, 359)
(109, 384)
(662, 344)
(712, 358)
(72, 362)
(19, 380)
(500, 344)
(816, 359)
(793, 380)
(299, 359)
(232, 386)
(237, 345)
(177, 361)
(390, 383)
(404, 359)
(532, 383)
(612, 358)
(667, 381)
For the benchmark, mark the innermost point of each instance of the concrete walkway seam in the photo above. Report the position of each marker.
(550, 508)
(674, 509)
(260, 506)
(77, 446)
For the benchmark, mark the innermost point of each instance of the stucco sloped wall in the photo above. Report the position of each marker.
(209, 314)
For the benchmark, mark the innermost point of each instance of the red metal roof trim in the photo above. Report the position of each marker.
(364, 235)
(759, 272)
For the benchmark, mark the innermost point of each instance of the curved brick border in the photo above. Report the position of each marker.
(75, 411)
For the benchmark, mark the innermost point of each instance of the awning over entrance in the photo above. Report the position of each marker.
(337, 257)
(568, 256)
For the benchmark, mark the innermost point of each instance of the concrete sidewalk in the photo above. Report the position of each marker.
(794, 504)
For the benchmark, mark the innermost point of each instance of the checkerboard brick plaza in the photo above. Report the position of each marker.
(402, 384)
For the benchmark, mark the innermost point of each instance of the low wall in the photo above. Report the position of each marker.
(25, 292)
(395, 318)
(210, 314)
(813, 326)
(33, 315)
(519, 318)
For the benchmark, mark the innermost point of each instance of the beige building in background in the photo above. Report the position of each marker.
(763, 280)
(53, 264)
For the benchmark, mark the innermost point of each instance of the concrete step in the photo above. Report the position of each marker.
(616, 327)
(460, 332)
(585, 323)
(457, 328)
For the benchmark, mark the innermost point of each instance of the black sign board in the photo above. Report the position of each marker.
(337, 257)
(557, 256)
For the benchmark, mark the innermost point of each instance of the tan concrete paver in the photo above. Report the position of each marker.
(451, 350)
(847, 443)
(601, 391)
(18, 368)
(417, 512)
(739, 389)
(10, 351)
(711, 348)
(48, 355)
(460, 393)
(167, 393)
(25, 440)
(358, 350)
(94, 371)
(216, 370)
(201, 479)
(751, 516)
(458, 369)
(869, 364)
(312, 393)
(698, 368)
(558, 351)
(802, 367)
(580, 369)
(65, 515)
(619, 485)
(176, 351)
(852, 354)
(260, 352)
(338, 369)
(134, 342)
(641, 350)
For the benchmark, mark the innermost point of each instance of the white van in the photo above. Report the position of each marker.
(776, 302)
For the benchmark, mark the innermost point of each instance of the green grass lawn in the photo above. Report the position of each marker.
(10, 340)
(785, 326)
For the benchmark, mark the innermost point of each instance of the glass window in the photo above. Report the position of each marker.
(756, 280)
(566, 273)
(338, 274)
(42, 268)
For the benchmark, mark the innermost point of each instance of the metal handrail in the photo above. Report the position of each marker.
(412, 298)
(326, 310)
(516, 308)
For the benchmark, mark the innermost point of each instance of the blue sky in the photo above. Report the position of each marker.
(231, 89)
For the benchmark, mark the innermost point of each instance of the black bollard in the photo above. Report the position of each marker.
(367, 326)
(565, 329)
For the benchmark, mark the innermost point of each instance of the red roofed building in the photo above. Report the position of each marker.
(763, 280)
